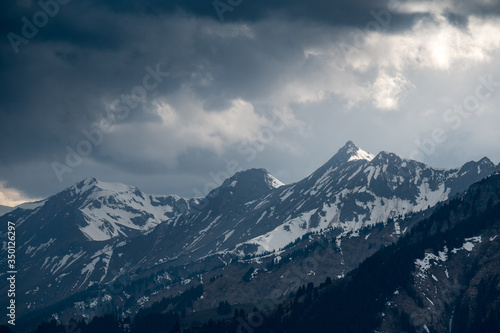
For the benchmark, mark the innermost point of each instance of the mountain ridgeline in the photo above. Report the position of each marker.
(443, 276)
(100, 247)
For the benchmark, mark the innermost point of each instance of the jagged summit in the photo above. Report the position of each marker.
(273, 181)
(388, 157)
(243, 186)
(256, 177)
(486, 161)
(103, 210)
(351, 152)
(94, 183)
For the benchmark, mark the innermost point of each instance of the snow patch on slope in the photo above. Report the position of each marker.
(469, 244)
(283, 234)
(423, 265)
(380, 210)
(272, 181)
(111, 209)
(359, 154)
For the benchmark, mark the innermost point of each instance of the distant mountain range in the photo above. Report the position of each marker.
(81, 241)
(5, 209)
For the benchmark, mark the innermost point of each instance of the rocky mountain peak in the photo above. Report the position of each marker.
(244, 186)
(350, 152)
(254, 179)
(486, 161)
(385, 157)
(99, 186)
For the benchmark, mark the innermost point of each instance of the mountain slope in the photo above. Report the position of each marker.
(5, 209)
(65, 243)
(442, 277)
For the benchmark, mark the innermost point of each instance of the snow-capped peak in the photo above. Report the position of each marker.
(114, 209)
(99, 185)
(272, 181)
(360, 154)
(354, 153)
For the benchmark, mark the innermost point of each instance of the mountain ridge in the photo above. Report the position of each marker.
(74, 240)
(440, 277)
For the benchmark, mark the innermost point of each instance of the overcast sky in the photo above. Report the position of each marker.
(164, 94)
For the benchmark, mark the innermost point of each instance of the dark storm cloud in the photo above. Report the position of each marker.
(54, 88)
(457, 20)
(332, 12)
(336, 13)
(486, 8)
(93, 52)
(90, 23)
